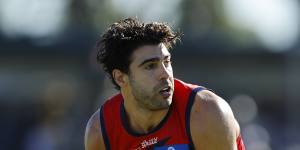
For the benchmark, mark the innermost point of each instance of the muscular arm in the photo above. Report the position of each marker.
(93, 137)
(212, 123)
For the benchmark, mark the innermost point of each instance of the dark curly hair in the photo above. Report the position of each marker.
(115, 48)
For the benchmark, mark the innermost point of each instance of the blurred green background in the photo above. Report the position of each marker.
(246, 51)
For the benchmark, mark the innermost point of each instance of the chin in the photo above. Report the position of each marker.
(162, 106)
(167, 103)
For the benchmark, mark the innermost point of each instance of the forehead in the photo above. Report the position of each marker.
(149, 51)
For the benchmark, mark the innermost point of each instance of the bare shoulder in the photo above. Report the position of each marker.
(212, 123)
(93, 137)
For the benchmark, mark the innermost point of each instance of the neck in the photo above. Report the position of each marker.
(142, 120)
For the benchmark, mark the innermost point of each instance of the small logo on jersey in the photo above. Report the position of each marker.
(147, 143)
(161, 142)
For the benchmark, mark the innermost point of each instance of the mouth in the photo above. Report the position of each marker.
(165, 92)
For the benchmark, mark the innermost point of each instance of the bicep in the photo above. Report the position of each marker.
(213, 125)
(93, 137)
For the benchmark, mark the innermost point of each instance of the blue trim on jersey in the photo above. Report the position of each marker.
(188, 113)
(173, 147)
(104, 134)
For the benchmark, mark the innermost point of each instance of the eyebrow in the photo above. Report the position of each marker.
(153, 60)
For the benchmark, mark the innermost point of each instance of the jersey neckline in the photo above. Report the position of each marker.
(126, 125)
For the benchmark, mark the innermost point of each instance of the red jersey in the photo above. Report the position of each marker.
(173, 132)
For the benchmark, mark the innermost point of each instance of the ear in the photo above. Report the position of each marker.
(119, 77)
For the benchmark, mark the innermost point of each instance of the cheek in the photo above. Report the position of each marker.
(147, 76)
(148, 81)
(143, 79)
(144, 87)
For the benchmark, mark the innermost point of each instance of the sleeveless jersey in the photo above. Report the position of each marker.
(172, 133)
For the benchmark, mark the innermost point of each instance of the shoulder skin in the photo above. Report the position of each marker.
(212, 123)
(93, 137)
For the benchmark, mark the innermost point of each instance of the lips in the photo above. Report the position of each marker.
(165, 92)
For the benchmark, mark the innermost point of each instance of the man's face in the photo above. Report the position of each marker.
(151, 77)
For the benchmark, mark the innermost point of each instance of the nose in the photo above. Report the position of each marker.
(165, 72)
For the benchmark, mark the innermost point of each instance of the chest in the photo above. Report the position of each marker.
(170, 135)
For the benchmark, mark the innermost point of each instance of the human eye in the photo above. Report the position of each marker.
(167, 62)
(150, 66)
